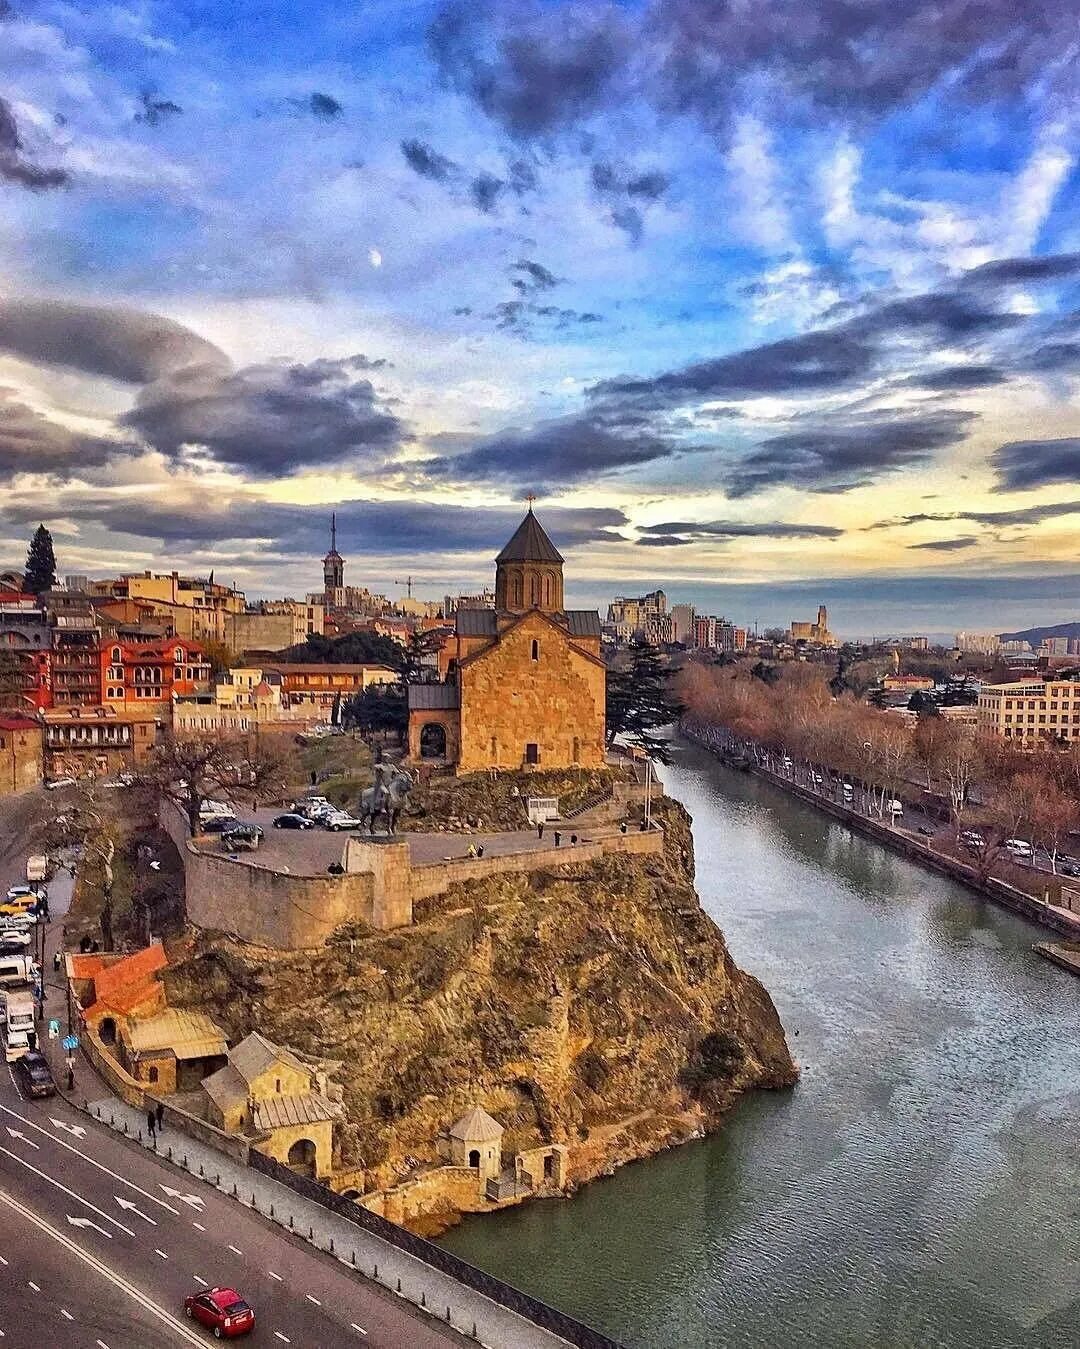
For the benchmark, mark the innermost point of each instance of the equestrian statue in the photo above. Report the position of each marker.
(387, 797)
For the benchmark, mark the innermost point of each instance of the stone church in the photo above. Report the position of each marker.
(527, 686)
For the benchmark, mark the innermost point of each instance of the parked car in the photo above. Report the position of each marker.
(290, 821)
(1068, 866)
(972, 840)
(218, 824)
(223, 1310)
(13, 941)
(1019, 847)
(847, 789)
(210, 807)
(24, 906)
(33, 892)
(240, 835)
(896, 809)
(341, 819)
(816, 779)
(33, 1074)
(52, 784)
(16, 1044)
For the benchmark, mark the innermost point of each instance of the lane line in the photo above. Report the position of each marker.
(198, 1226)
(101, 1344)
(283, 1338)
(117, 1280)
(314, 1299)
(359, 1328)
(235, 1251)
(85, 1202)
(33, 1285)
(161, 1253)
(66, 1314)
(11, 1074)
(275, 1276)
(199, 1279)
(86, 1158)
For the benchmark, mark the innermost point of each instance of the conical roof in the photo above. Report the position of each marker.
(530, 544)
(477, 1127)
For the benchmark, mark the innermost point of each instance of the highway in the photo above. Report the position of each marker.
(103, 1240)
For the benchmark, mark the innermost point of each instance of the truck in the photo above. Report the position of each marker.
(37, 868)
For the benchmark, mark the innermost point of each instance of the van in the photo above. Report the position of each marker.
(16, 1044)
(19, 1010)
(14, 971)
(896, 809)
(37, 868)
(848, 790)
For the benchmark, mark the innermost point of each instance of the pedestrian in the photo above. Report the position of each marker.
(159, 1115)
(558, 838)
(71, 1078)
(479, 850)
(56, 960)
(643, 826)
(540, 831)
(622, 827)
(471, 850)
(314, 777)
(151, 1123)
(573, 840)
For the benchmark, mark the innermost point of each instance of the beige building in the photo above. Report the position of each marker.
(273, 625)
(265, 1091)
(476, 1141)
(172, 1051)
(197, 607)
(1031, 711)
(817, 632)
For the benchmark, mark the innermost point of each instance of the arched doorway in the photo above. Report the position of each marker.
(433, 741)
(107, 1030)
(474, 1158)
(302, 1157)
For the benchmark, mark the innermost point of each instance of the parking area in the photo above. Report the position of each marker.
(308, 852)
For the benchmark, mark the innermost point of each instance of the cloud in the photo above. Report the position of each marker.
(946, 545)
(624, 191)
(674, 533)
(427, 162)
(519, 316)
(958, 377)
(840, 454)
(485, 190)
(531, 276)
(325, 107)
(196, 518)
(268, 419)
(122, 344)
(552, 453)
(1021, 271)
(1021, 515)
(31, 443)
(533, 70)
(15, 167)
(1024, 464)
(155, 110)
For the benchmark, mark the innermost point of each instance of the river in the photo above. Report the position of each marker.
(920, 1187)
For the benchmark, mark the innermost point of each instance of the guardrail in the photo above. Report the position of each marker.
(505, 1294)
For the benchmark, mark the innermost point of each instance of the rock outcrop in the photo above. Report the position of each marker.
(596, 1007)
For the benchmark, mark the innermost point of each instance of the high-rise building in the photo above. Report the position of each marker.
(978, 643)
(682, 624)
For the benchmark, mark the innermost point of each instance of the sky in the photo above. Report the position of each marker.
(767, 303)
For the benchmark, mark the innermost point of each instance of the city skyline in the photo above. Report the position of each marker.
(765, 333)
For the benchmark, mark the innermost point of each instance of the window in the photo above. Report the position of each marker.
(277, 1085)
(152, 1075)
(535, 649)
(532, 753)
(116, 654)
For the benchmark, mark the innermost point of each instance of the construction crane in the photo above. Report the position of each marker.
(408, 583)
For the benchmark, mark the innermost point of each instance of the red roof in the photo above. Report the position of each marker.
(136, 969)
(11, 721)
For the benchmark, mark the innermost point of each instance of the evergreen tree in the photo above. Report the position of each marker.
(40, 563)
(640, 703)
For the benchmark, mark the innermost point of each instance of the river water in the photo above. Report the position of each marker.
(920, 1187)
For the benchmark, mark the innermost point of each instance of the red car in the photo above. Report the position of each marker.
(223, 1310)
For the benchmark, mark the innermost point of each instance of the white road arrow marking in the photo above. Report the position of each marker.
(132, 1208)
(17, 1133)
(76, 1130)
(87, 1222)
(191, 1199)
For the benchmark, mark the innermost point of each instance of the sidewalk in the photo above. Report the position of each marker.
(464, 1309)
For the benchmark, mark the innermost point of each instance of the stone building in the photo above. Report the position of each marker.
(476, 1141)
(266, 1091)
(172, 1051)
(20, 753)
(526, 686)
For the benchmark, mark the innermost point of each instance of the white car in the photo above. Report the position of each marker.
(848, 789)
(16, 1044)
(54, 783)
(896, 808)
(209, 808)
(1018, 847)
(816, 779)
(12, 938)
(341, 819)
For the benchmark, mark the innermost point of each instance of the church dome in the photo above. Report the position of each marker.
(530, 543)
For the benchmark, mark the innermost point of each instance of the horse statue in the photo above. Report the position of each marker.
(387, 797)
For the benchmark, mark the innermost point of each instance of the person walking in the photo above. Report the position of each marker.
(558, 838)
(540, 830)
(151, 1123)
(159, 1116)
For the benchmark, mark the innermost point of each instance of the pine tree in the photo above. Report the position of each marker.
(639, 703)
(40, 572)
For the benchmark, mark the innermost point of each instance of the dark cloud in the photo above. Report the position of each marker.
(959, 377)
(522, 177)
(1019, 271)
(156, 110)
(1022, 515)
(946, 545)
(532, 69)
(838, 455)
(121, 344)
(531, 276)
(552, 453)
(268, 419)
(15, 167)
(620, 188)
(677, 532)
(203, 519)
(324, 106)
(31, 443)
(520, 316)
(427, 162)
(1054, 357)
(1025, 464)
(485, 190)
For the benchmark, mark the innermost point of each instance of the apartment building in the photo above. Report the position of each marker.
(1031, 711)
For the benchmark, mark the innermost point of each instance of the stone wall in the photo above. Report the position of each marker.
(510, 700)
(455, 1189)
(20, 758)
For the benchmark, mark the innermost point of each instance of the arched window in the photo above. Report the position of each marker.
(534, 590)
(474, 1157)
(517, 591)
(535, 649)
(117, 654)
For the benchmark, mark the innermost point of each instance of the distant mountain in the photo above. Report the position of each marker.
(1036, 635)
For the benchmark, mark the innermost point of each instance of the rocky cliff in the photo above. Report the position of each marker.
(596, 1007)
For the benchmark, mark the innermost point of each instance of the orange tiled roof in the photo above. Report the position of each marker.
(146, 998)
(136, 969)
(86, 966)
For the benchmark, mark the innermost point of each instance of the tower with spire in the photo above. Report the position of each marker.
(333, 568)
(529, 570)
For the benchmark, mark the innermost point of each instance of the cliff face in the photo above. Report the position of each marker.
(598, 1008)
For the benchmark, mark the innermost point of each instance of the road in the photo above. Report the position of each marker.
(103, 1240)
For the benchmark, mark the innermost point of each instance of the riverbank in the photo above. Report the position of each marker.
(1053, 917)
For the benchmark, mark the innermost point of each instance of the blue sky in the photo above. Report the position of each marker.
(763, 305)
